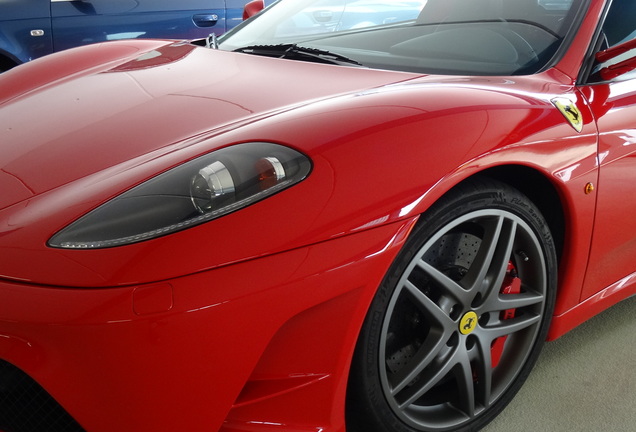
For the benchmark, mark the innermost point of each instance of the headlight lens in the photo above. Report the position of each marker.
(198, 191)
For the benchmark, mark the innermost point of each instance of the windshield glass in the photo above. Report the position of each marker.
(476, 37)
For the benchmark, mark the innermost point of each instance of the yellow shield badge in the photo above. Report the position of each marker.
(570, 112)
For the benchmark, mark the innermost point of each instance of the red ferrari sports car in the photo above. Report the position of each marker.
(343, 215)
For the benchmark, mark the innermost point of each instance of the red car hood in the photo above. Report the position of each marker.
(89, 110)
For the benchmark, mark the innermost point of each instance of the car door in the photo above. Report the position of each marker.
(25, 31)
(611, 91)
(80, 22)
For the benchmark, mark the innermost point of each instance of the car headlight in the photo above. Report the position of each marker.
(195, 192)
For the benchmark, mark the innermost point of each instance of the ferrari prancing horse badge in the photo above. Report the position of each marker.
(570, 112)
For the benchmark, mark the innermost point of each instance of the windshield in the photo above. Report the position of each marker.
(473, 37)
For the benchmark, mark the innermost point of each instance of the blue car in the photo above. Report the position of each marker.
(32, 28)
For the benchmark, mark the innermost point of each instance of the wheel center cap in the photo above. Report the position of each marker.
(468, 323)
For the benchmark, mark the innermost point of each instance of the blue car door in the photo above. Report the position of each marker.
(25, 31)
(80, 22)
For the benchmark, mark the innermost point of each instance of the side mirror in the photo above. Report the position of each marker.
(620, 68)
(252, 8)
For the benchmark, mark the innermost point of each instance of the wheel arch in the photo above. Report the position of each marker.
(541, 191)
(554, 206)
(532, 183)
(553, 202)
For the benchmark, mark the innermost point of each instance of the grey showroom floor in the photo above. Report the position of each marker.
(583, 382)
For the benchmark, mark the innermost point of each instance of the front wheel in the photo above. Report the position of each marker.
(460, 318)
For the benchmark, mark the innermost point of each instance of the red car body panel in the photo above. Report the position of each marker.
(366, 109)
(232, 304)
(133, 334)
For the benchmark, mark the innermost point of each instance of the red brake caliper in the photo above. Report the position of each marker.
(511, 285)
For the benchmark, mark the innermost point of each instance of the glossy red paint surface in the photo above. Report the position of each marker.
(220, 315)
(192, 346)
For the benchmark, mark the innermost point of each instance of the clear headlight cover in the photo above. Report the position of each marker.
(195, 192)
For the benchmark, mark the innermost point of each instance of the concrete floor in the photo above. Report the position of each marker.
(583, 382)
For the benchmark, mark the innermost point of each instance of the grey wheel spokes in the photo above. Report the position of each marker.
(449, 314)
(493, 255)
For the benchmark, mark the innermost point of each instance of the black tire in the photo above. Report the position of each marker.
(426, 355)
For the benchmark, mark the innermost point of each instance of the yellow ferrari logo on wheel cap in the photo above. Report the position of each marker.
(468, 323)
